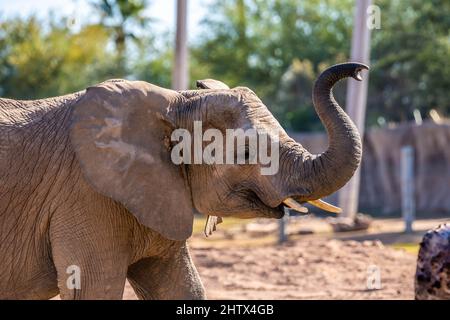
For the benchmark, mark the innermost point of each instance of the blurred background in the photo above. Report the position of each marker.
(277, 48)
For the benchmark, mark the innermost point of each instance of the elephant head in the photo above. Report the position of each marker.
(121, 132)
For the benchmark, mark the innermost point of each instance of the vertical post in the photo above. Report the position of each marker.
(356, 102)
(180, 70)
(407, 186)
(282, 225)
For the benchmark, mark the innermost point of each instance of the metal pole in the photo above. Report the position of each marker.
(180, 76)
(356, 102)
(407, 186)
(282, 225)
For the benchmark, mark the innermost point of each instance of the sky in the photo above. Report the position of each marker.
(161, 10)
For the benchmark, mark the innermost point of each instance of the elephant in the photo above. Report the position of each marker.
(90, 197)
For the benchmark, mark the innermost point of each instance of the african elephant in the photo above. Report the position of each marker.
(87, 180)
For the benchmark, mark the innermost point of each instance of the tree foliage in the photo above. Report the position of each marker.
(279, 47)
(275, 47)
(410, 55)
(122, 19)
(37, 62)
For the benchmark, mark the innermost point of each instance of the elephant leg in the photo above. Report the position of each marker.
(85, 281)
(98, 288)
(91, 257)
(172, 277)
(84, 273)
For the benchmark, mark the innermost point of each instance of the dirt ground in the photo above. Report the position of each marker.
(312, 265)
(304, 270)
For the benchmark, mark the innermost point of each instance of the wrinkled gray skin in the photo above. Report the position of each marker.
(86, 180)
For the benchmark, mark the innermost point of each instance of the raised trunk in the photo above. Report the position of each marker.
(308, 177)
(330, 170)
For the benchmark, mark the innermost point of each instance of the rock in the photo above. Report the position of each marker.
(378, 244)
(361, 222)
(256, 229)
(432, 281)
(304, 232)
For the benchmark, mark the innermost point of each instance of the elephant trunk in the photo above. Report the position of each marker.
(309, 177)
(329, 171)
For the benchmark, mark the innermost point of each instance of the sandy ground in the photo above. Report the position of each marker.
(304, 270)
(310, 266)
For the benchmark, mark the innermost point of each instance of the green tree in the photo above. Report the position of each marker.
(40, 60)
(123, 19)
(279, 47)
(410, 55)
(154, 61)
(254, 43)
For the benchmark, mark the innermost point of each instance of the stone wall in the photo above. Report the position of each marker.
(380, 170)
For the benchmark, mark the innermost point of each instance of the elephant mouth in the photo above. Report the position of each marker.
(256, 207)
(252, 206)
(264, 210)
(290, 203)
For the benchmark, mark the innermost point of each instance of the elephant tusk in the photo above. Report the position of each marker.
(211, 224)
(325, 206)
(291, 203)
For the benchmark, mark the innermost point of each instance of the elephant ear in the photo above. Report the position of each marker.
(120, 132)
(211, 84)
